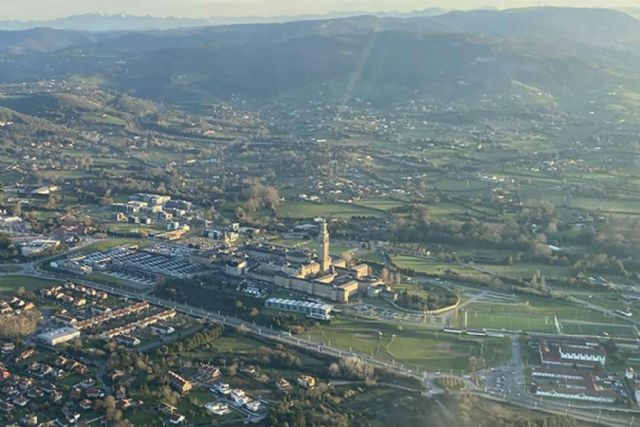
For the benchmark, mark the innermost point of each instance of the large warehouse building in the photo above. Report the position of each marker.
(59, 336)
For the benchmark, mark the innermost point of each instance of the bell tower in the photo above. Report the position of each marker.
(325, 258)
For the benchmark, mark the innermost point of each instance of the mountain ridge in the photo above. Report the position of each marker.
(458, 55)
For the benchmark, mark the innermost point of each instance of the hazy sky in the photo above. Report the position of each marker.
(45, 9)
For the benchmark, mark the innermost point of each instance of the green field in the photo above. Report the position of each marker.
(103, 245)
(597, 329)
(411, 345)
(10, 268)
(630, 207)
(328, 210)
(509, 322)
(380, 204)
(518, 271)
(537, 315)
(427, 265)
(10, 284)
(459, 185)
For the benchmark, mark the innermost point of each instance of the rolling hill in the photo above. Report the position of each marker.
(570, 55)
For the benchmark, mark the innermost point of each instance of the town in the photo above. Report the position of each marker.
(418, 218)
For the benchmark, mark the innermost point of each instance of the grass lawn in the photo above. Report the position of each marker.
(122, 227)
(526, 270)
(328, 210)
(596, 329)
(9, 268)
(109, 280)
(517, 271)
(371, 256)
(411, 345)
(631, 207)
(427, 265)
(459, 185)
(380, 204)
(103, 245)
(10, 284)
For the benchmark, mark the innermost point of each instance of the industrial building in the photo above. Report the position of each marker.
(302, 271)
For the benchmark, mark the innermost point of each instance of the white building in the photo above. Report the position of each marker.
(583, 353)
(38, 246)
(217, 408)
(222, 388)
(59, 336)
(602, 396)
(308, 308)
(254, 406)
(239, 397)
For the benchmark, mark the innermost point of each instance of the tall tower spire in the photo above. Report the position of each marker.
(325, 258)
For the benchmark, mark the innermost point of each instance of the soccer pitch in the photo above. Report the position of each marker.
(509, 322)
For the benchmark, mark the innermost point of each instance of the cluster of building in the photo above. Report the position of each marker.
(230, 234)
(35, 247)
(13, 225)
(26, 392)
(299, 270)
(237, 398)
(71, 293)
(136, 263)
(123, 331)
(144, 208)
(103, 321)
(574, 383)
(15, 306)
(573, 369)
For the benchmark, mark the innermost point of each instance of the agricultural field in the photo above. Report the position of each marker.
(327, 210)
(380, 204)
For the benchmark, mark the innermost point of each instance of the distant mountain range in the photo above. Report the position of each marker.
(123, 22)
(635, 12)
(559, 56)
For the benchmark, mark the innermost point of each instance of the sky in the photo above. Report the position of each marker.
(48, 9)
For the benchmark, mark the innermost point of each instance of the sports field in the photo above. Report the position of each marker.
(598, 329)
(543, 317)
(509, 322)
